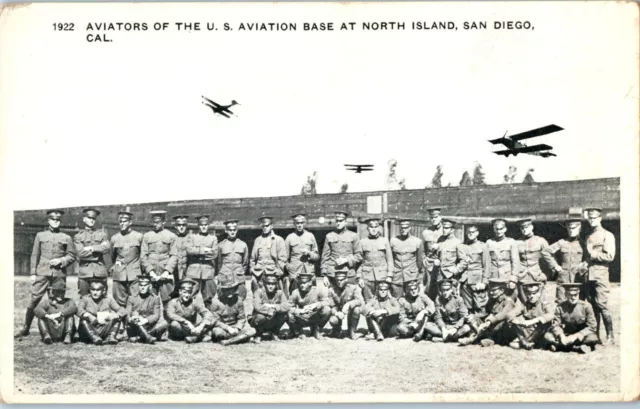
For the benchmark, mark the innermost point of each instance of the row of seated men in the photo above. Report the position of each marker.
(167, 258)
(535, 323)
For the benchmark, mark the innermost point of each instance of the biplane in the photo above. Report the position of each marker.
(514, 146)
(219, 109)
(359, 168)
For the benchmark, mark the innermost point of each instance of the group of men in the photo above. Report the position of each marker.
(188, 286)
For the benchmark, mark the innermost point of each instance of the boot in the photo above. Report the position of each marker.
(91, 333)
(111, 339)
(315, 331)
(335, 331)
(144, 335)
(608, 326)
(419, 335)
(28, 319)
(597, 314)
(46, 338)
(159, 332)
(467, 341)
(235, 340)
(69, 329)
(377, 332)
(352, 323)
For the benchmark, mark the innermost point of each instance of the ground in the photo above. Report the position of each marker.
(305, 366)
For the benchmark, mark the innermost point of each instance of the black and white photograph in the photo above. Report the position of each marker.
(319, 202)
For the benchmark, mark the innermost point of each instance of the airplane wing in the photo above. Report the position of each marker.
(503, 141)
(534, 148)
(223, 114)
(536, 132)
(215, 104)
(360, 166)
(504, 152)
(365, 169)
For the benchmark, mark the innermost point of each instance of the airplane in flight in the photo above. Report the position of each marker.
(219, 109)
(359, 168)
(514, 146)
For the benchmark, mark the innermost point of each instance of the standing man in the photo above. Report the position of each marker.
(452, 259)
(202, 252)
(159, 256)
(301, 249)
(430, 237)
(233, 258)
(308, 307)
(601, 250)
(345, 300)
(530, 249)
(182, 238)
(407, 254)
(91, 246)
(268, 255)
(56, 315)
(572, 267)
(501, 259)
(474, 280)
(341, 249)
(377, 260)
(53, 251)
(270, 308)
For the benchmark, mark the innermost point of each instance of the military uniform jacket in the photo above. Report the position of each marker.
(430, 237)
(499, 310)
(230, 314)
(571, 255)
(159, 251)
(530, 252)
(87, 304)
(297, 262)
(390, 304)
(92, 265)
(181, 252)
(475, 272)
(450, 312)
(571, 319)
(544, 310)
(501, 259)
(200, 265)
(377, 259)
(297, 300)
(125, 255)
(278, 300)
(49, 245)
(453, 259)
(149, 307)
(407, 259)
(50, 306)
(350, 293)
(409, 309)
(233, 260)
(601, 250)
(183, 313)
(345, 245)
(269, 254)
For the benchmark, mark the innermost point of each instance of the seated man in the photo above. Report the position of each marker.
(56, 314)
(308, 307)
(100, 316)
(345, 300)
(492, 326)
(416, 309)
(574, 324)
(270, 308)
(183, 312)
(230, 322)
(450, 315)
(382, 313)
(144, 311)
(533, 318)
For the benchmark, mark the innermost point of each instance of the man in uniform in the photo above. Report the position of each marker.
(501, 259)
(125, 259)
(202, 252)
(430, 237)
(233, 258)
(91, 247)
(268, 255)
(341, 248)
(301, 249)
(416, 309)
(533, 316)
(572, 267)
(407, 259)
(230, 321)
(574, 324)
(451, 258)
(182, 315)
(474, 280)
(308, 307)
(56, 315)
(601, 250)
(182, 238)
(377, 260)
(382, 313)
(450, 315)
(270, 309)
(530, 249)
(53, 251)
(145, 322)
(345, 300)
(159, 256)
(492, 325)
(100, 316)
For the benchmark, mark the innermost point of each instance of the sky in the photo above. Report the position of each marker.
(122, 122)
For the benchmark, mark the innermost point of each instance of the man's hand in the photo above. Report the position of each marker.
(325, 281)
(305, 251)
(233, 331)
(572, 338)
(564, 340)
(484, 326)
(532, 322)
(511, 285)
(142, 321)
(154, 276)
(519, 321)
(55, 262)
(340, 315)
(33, 278)
(360, 282)
(341, 260)
(436, 262)
(166, 275)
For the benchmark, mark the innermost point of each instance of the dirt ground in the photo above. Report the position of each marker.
(305, 366)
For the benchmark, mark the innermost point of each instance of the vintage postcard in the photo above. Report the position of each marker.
(319, 202)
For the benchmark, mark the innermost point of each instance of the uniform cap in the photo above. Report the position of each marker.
(143, 276)
(304, 277)
(270, 278)
(202, 217)
(523, 222)
(125, 214)
(90, 211)
(265, 217)
(446, 282)
(98, 280)
(400, 221)
(498, 282)
(528, 282)
(158, 213)
(227, 283)
(494, 221)
(382, 284)
(593, 210)
(230, 221)
(372, 219)
(412, 284)
(448, 221)
(569, 286)
(434, 210)
(180, 216)
(341, 271)
(55, 212)
(187, 282)
(59, 286)
(296, 215)
(341, 213)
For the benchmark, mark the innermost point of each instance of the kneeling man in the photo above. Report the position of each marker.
(345, 300)
(183, 312)
(56, 314)
(416, 309)
(533, 318)
(144, 310)
(270, 308)
(231, 326)
(382, 313)
(100, 316)
(308, 307)
(450, 316)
